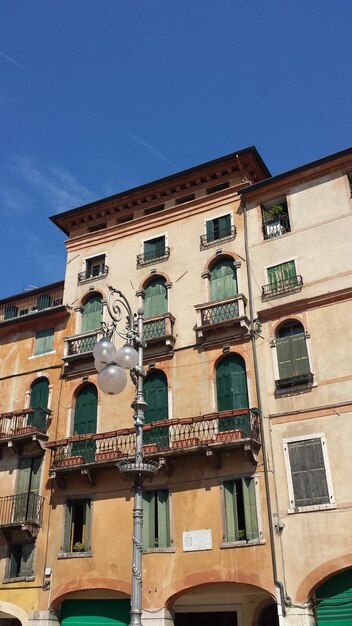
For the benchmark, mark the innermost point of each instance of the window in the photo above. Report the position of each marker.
(92, 315)
(44, 341)
(39, 402)
(307, 470)
(292, 356)
(93, 229)
(216, 188)
(27, 507)
(85, 421)
(94, 268)
(241, 518)
(153, 250)
(218, 228)
(282, 278)
(155, 301)
(21, 560)
(156, 396)
(232, 393)
(77, 526)
(156, 519)
(275, 218)
(223, 279)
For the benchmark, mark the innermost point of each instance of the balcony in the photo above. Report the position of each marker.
(23, 511)
(20, 427)
(203, 434)
(153, 256)
(159, 334)
(277, 226)
(97, 271)
(287, 384)
(222, 235)
(33, 303)
(215, 317)
(282, 287)
(78, 350)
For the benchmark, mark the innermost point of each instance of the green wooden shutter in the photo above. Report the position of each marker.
(250, 509)
(285, 357)
(85, 421)
(10, 311)
(210, 230)
(232, 531)
(92, 313)
(154, 248)
(87, 535)
(148, 519)
(223, 282)
(26, 565)
(67, 527)
(44, 301)
(155, 302)
(156, 396)
(283, 272)
(224, 226)
(39, 400)
(44, 341)
(232, 393)
(291, 348)
(163, 518)
(308, 473)
(300, 354)
(334, 600)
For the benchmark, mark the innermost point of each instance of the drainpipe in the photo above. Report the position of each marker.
(278, 584)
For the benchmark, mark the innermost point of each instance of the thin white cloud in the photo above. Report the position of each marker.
(13, 61)
(150, 148)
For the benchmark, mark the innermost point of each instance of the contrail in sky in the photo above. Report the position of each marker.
(5, 56)
(151, 148)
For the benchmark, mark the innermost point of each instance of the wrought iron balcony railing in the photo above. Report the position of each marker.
(21, 509)
(98, 271)
(295, 381)
(152, 256)
(159, 327)
(33, 302)
(223, 234)
(81, 344)
(282, 286)
(276, 226)
(24, 423)
(166, 437)
(222, 312)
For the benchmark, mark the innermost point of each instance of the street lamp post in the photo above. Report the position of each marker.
(111, 365)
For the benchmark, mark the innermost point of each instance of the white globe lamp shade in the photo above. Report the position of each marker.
(99, 365)
(104, 351)
(127, 357)
(112, 379)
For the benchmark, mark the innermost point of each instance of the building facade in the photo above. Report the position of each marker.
(242, 389)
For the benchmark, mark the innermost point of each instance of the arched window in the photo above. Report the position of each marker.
(155, 302)
(292, 355)
(92, 313)
(232, 393)
(156, 396)
(223, 279)
(39, 402)
(85, 421)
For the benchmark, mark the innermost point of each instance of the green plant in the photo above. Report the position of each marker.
(79, 546)
(273, 213)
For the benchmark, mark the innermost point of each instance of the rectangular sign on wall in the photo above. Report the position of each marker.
(197, 540)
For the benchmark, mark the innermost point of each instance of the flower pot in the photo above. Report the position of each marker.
(229, 435)
(178, 444)
(107, 455)
(70, 461)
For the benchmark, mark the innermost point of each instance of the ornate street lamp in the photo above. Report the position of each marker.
(111, 365)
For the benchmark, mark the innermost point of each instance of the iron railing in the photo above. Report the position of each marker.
(276, 226)
(31, 303)
(154, 255)
(98, 271)
(213, 313)
(223, 234)
(24, 422)
(282, 286)
(81, 344)
(21, 509)
(167, 437)
(158, 327)
(294, 381)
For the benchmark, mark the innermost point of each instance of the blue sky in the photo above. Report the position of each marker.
(97, 96)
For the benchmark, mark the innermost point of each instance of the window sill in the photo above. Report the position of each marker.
(242, 544)
(291, 391)
(19, 579)
(35, 356)
(152, 550)
(312, 508)
(74, 555)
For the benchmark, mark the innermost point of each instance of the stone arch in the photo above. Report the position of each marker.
(84, 584)
(321, 573)
(14, 611)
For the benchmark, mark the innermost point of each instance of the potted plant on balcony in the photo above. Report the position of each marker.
(79, 546)
(272, 222)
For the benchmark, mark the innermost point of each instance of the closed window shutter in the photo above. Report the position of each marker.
(223, 282)
(283, 272)
(285, 357)
(44, 341)
(155, 302)
(39, 400)
(232, 532)
(26, 566)
(67, 527)
(149, 519)
(300, 354)
(210, 230)
(224, 226)
(308, 473)
(250, 509)
(44, 301)
(92, 313)
(87, 533)
(154, 248)
(163, 519)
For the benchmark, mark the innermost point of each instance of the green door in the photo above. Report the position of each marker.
(92, 313)
(232, 393)
(95, 612)
(85, 421)
(156, 396)
(39, 401)
(334, 600)
(223, 282)
(28, 484)
(155, 302)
